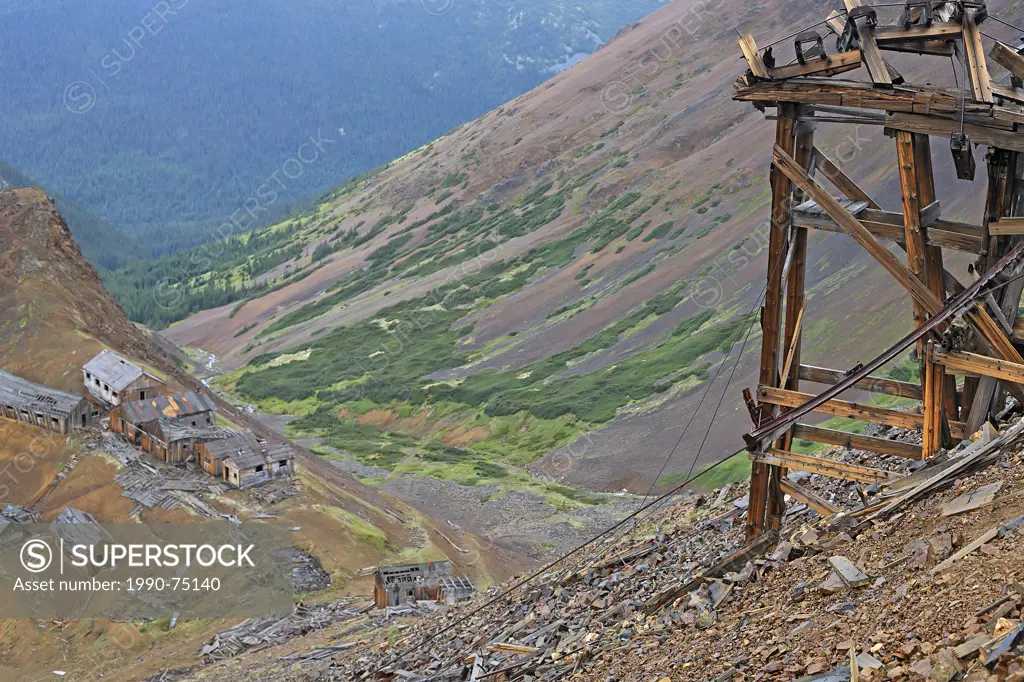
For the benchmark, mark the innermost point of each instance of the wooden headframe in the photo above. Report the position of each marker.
(987, 112)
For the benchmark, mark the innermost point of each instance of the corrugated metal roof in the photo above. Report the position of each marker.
(113, 370)
(179, 429)
(243, 451)
(22, 394)
(166, 406)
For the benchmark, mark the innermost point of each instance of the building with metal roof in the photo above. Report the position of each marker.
(115, 380)
(244, 461)
(27, 402)
(198, 408)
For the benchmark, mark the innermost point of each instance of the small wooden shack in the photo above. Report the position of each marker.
(244, 462)
(50, 409)
(139, 421)
(431, 581)
(115, 380)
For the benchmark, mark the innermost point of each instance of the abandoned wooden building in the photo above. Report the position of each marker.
(968, 329)
(431, 581)
(50, 409)
(243, 461)
(139, 421)
(182, 438)
(115, 380)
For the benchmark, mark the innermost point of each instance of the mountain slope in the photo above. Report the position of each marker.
(54, 316)
(554, 284)
(164, 120)
(102, 245)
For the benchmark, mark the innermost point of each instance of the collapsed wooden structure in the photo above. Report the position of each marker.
(431, 581)
(47, 408)
(970, 331)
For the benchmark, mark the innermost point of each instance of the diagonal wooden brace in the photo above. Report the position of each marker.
(996, 339)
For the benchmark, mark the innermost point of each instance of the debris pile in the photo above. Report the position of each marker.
(919, 581)
(259, 633)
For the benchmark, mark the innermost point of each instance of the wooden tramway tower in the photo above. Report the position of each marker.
(807, 93)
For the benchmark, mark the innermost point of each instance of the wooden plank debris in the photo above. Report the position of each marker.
(732, 562)
(972, 500)
(975, 456)
(809, 497)
(971, 547)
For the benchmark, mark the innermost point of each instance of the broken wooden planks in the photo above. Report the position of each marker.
(809, 497)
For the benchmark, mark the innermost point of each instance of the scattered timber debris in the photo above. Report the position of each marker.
(263, 632)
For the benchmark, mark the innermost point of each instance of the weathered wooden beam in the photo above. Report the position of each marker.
(830, 65)
(908, 99)
(977, 68)
(1006, 227)
(856, 441)
(841, 180)
(825, 467)
(940, 31)
(843, 408)
(936, 276)
(809, 497)
(872, 384)
(913, 231)
(793, 343)
(982, 365)
(942, 127)
(1007, 58)
(889, 226)
(796, 274)
(873, 60)
(764, 491)
(754, 61)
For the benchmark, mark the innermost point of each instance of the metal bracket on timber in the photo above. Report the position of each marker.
(818, 88)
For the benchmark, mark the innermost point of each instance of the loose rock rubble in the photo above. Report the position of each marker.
(908, 595)
(903, 585)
